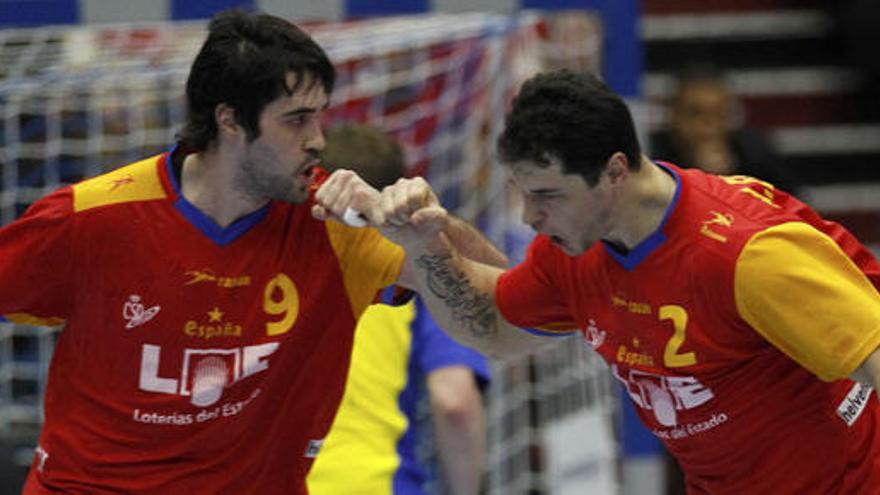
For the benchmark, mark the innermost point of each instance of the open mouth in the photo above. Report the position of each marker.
(308, 172)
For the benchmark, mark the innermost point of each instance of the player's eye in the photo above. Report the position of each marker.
(547, 197)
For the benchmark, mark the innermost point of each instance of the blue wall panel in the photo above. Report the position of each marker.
(203, 9)
(38, 12)
(364, 8)
(563, 4)
(624, 53)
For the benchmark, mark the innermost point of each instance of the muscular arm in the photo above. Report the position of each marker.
(460, 427)
(472, 244)
(460, 295)
(458, 291)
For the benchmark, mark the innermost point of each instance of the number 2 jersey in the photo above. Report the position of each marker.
(733, 329)
(194, 358)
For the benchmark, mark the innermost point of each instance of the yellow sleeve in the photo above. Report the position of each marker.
(797, 288)
(368, 261)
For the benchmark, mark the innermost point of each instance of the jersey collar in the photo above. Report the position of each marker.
(636, 255)
(218, 235)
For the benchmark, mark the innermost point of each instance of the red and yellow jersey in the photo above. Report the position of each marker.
(194, 358)
(733, 328)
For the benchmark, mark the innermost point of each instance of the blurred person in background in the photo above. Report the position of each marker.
(704, 131)
(400, 354)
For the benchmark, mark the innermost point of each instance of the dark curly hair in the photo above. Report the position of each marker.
(244, 64)
(571, 116)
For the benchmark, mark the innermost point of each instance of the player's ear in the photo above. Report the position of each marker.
(224, 117)
(617, 168)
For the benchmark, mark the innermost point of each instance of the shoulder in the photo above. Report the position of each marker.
(722, 213)
(799, 249)
(717, 217)
(56, 205)
(750, 197)
(137, 182)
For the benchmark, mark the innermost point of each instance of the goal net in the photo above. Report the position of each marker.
(78, 101)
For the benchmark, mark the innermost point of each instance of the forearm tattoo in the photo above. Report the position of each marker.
(475, 311)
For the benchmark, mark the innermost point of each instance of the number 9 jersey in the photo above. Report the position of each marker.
(733, 329)
(194, 358)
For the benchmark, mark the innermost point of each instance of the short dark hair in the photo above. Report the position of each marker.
(374, 154)
(573, 117)
(244, 63)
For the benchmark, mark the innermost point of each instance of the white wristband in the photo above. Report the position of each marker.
(354, 218)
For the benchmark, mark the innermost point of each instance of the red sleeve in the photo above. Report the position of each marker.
(531, 294)
(37, 262)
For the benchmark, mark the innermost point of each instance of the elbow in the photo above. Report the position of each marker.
(455, 396)
(462, 413)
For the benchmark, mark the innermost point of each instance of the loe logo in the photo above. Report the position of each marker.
(204, 373)
(663, 395)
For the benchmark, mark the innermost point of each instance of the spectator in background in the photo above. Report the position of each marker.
(399, 353)
(704, 133)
